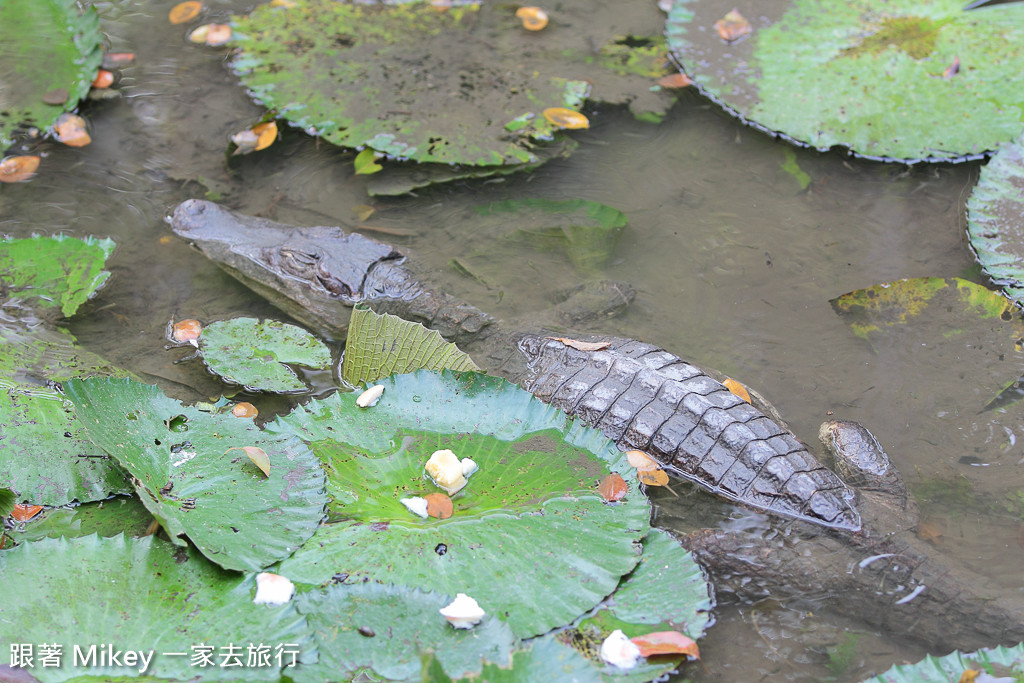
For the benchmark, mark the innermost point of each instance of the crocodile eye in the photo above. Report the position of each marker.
(338, 289)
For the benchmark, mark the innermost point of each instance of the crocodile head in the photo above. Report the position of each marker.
(314, 274)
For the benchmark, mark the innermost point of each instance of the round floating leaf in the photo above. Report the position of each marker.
(542, 659)
(1008, 661)
(39, 354)
(406, 103)
(382, 345)
(40, 273)
(995, 219)
(44, 454)
(253, 353)
(406, 625)
(530, 537)
(120, 515)
(587, 231)
(876, 78)
(50, 47)
(144, 595)
(236, 516)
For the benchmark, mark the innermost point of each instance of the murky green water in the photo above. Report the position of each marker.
(733, 262)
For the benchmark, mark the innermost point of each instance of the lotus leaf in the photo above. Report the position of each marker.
(530, 538)
(907, 79)
(254, 353)
(954, 667)
(51, 47)
(146, 595)
(995, 219)
(118, 515)
(42, 273)
(183, 472)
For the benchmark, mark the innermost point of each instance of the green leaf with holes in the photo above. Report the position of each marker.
(997, 662)
(530, 538)
(52, 50)
(183, 472)
(257, 353)
(906, 79)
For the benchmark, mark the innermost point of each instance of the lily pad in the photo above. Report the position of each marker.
(106, 518)
(588, 231)
(36, 355)
(44, 454)
(540, 659)
(43, 273)
(1000, 663)
(995, 219)
(144, 595)
(405, 102)
(406, 625)
(49, 46)
(382, 345)
(178, 457)
(530, 537)
(254, 353)
(908, 79)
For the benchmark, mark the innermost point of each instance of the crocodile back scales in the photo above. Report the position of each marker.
(648, 399)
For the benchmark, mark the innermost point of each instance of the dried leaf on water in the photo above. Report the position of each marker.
(677, 80)
(656, 477)
(439, 505)
(70, 129)
(736, 388)
(258, 456)
(582, 345)
(641, 461)
(666, 643)
(613, 487)
(24, 512)
(104, 79)
(733, 26)
(566, 118)
(533, 18)
(213, 35)
(114, 60)
(185, 11)
(186, 330)
(244, 409)
(18, 169)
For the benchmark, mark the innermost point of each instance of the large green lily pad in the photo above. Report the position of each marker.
(370, 76)
(111, 517)
(256, 353)
(530, 538)
(143, 595)
(49, 45)
(995, 219)
(874, 77)
(407, 626)
(44, 454)
(193, 484)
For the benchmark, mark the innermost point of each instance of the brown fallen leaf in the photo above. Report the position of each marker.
(736, 388)
(18, 169)
(666, 643)
(186, 330)
(213, 35)
(439, 505)
(24, 512)
(733, 26)
(114, 60)
(104, 79)
(952, 70)
(70, 129)
(613, 487)
(185, 11)
(258, 456)
(929, 530)
(533, 18)
(969, 676)
(679, 80)
(582, 345)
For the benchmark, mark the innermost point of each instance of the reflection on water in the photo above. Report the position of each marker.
(734, 264)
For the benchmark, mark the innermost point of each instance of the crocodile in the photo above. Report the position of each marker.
(827, 538)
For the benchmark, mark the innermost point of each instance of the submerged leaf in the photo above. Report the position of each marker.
(71, 130)
(258, 456)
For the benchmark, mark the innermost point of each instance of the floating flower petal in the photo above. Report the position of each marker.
(463, 612)
(566, 118)
(533, 18)
(273, 589)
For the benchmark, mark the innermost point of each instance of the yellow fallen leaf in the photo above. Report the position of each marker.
(185, 11)
(533, 18)
(732, 26)
(258, 456)
(566, 118)
(656, 477)
(582, 345)
(266, 133)
(641, 461)
(737, 388)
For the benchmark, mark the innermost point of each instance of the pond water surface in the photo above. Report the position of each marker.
(733, 261)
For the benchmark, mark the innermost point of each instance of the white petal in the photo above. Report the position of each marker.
(446, 471)
(273, 589)
(620, 651)
(469, 466)
(417, 506)
(463, 612)
(370, 397)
